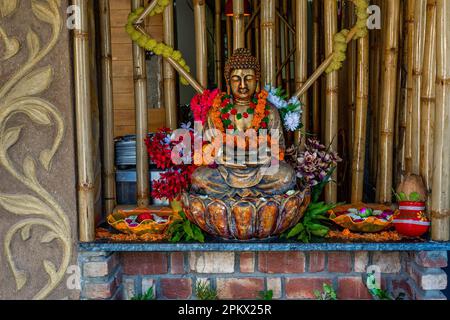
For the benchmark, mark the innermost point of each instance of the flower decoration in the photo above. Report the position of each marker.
(290, 111)
(315, 164)
(201, 103)
(177, 177)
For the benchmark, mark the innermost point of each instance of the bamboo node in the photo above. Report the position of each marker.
(436, 215)
(267, 24)
(442, 81)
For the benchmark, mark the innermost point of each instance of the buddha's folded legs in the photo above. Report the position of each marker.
(209, 181)
(279, 182)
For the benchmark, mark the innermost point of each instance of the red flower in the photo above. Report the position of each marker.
(233, 112)
(264, 125)
(230, 127)
(226, 116)
(245, 115)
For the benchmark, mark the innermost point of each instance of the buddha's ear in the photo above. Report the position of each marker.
(228, 89)
(258, 87)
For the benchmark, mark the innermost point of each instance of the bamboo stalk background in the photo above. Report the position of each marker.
(428, 97)
(315, 63)
(301, 56)
(440, 199)
(287, 46)
(201, 41)
(229, 35)
(279, 74)
(257, 28)
(331, 104)
(140, 95)
(86, 196)
(268, 61)
(351, 74)
(108, 108)
(218, 42)
(170, 91)
(388, 100)
(362, 92)
(418, 47)
(238, 24)
(410, 16)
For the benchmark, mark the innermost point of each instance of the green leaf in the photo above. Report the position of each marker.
(403, 196)
(239, 116)
(295, 230)
(187, 228)
(414, 196)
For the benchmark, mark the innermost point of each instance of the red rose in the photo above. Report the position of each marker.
(245, 115)
(263, 125)
(233, 112)
(230, 127)
(145, 216)
(225, 116)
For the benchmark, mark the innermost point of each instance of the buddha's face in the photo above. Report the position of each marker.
(243, 83)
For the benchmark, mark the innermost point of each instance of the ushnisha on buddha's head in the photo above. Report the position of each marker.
(242, 74)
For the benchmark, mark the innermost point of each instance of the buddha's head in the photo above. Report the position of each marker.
(242, 74)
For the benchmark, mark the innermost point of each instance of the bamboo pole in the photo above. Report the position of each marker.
(268, 61)
(315, 64)
(108, 108)
(140, 97)
(301, 57)
(362, 92)
(248, 30)
(152, 5)
(440, 199)
(388, 99)
(86, 196)
(183, 73)
(375, 57)
(170, 96)
(201, 41)
(257, 8)
(418, 47)
(278, 38)
(331, 116)
(238, 24)
(218, 30)
(410, 16)
(287, 45)
(428, 96)
(229, 35)
(351, 76)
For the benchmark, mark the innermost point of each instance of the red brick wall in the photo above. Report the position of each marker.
(241, 275)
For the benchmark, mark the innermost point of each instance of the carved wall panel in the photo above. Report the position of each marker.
(38, 233)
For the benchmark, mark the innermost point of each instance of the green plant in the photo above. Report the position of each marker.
(204, 291)
(377, 292)
(149, 295)
(413, 196)
(265, 295)
(328, 293)
(184, 230)
(312, 223)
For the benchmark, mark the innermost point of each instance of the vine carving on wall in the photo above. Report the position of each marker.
(19, 95)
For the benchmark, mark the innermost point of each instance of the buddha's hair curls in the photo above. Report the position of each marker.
(242, 58)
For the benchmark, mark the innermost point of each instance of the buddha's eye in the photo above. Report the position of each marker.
(236, 79)
(249, 78)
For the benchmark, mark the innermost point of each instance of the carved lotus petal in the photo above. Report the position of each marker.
(243, 217)
(197, 212)
(267, 219)
(217, 218)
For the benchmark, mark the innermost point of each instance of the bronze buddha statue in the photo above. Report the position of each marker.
(242, 74)
(245, 199)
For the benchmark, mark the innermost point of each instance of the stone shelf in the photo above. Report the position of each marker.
(264, 246)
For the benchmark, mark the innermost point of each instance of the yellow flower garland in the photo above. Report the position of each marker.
(150, 44)
(340, 42)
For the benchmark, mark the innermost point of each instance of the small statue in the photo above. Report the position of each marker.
(246, 110)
